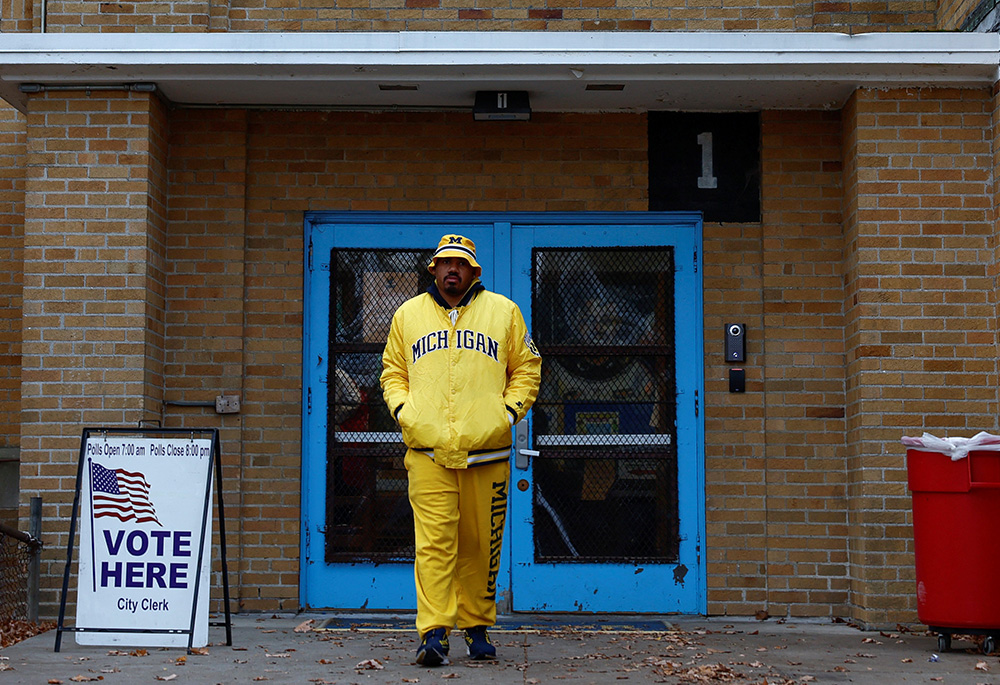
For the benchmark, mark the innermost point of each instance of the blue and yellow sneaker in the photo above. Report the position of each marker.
(478, 642)
(433, 650)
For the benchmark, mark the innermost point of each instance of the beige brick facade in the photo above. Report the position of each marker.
(446, 15)
(151, 257)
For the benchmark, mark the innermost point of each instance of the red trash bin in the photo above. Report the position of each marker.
(956, 516)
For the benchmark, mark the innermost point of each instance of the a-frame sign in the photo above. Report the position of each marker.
(143, 505)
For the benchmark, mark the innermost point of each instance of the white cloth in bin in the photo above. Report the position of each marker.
(956, 448)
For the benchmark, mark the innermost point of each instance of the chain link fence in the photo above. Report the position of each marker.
(19, 566)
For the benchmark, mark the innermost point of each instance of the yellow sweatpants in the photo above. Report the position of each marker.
(458, 517)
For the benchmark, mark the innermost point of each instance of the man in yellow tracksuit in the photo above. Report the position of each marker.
(459, 369)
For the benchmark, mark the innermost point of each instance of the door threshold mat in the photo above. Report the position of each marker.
(505, 625)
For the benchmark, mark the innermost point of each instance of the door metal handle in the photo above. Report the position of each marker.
(523, 458)
(522, 455)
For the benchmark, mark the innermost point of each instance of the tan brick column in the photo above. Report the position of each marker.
(12, 125)
(93, 288)
(920, 321)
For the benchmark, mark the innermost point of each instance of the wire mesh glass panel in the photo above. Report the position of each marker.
(605, 509)
(605, 484)
(368, 517)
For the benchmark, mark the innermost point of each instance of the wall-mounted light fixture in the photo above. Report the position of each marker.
(501, 105)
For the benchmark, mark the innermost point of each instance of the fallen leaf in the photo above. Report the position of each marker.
(279, 655)
(138, 652)
(172, 676)
(871, 641)
(982, 666)
(369, 665)
(85, 678)
(203, 651)
(181, 660)
(259, 678)
(451, 675)
(54, 681)
(411, 680)
(12, 632)
(907, 661)
(325, 661)
(762, 615)
(305, 626)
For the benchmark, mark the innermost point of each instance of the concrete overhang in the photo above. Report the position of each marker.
(562, 71)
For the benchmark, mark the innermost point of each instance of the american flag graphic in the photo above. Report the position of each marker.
(121, 494)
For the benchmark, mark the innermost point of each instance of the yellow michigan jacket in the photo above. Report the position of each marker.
(457, 379)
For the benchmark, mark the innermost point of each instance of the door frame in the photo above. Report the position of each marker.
(313, 499)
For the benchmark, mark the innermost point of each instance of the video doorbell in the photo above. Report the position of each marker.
(736, 342)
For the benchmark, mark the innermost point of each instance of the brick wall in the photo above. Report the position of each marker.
(921, 317)
(309, 161)
(993, 271)
(93, 288)
(12, 141)
(953, 13)
(173, 271)
(16, 16)
(874, 17)
(445, 15)
(775, 456)
(777, 515)
(803, 384)
(135, 16)
(206, 328)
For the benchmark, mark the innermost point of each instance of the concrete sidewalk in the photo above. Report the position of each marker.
(375, 649)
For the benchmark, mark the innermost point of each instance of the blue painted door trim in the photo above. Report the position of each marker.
(501, 240)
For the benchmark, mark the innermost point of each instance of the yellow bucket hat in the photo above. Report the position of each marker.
(454, 245)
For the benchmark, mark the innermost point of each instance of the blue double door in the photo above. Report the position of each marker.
(606, 494)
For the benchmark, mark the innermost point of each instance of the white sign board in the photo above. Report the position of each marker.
(143, 521)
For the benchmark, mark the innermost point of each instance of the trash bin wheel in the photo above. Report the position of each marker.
(944, 642)
(989, 644)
